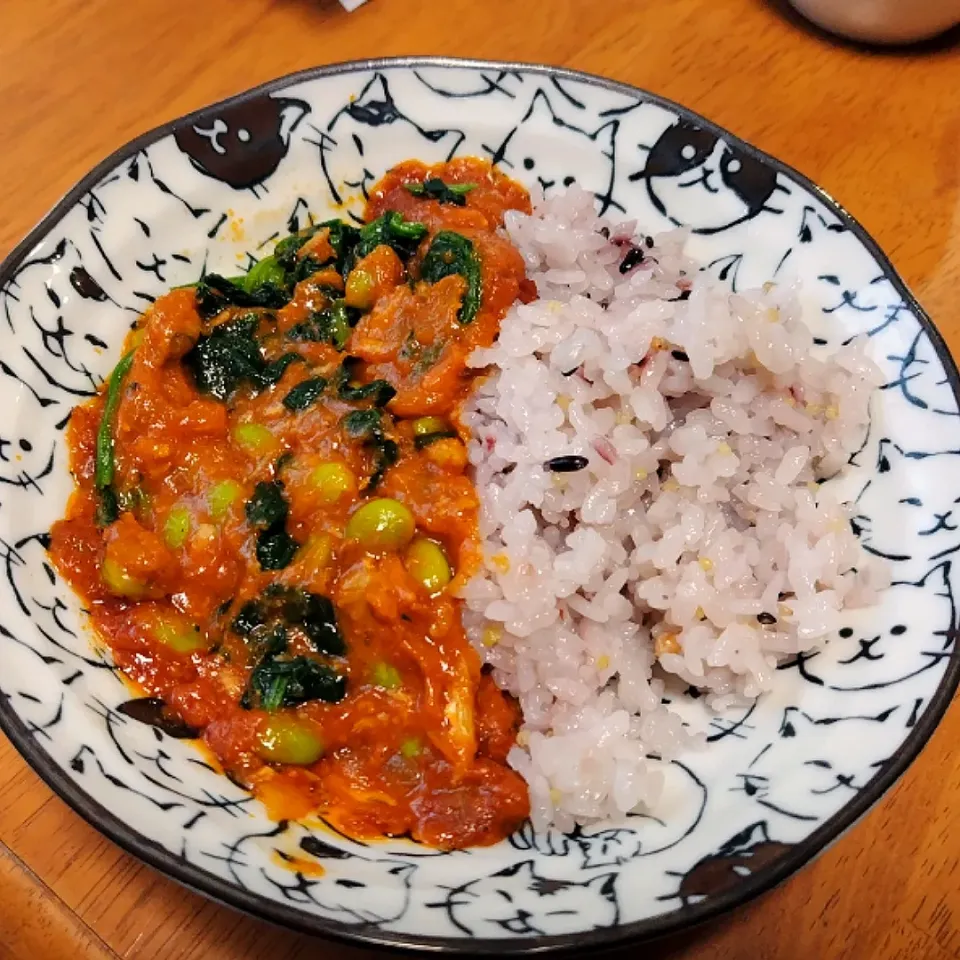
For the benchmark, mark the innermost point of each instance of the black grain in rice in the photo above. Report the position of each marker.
(568, 464)
(633, 259)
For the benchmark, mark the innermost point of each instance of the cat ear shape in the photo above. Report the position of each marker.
(889, 456)
(605, 886)
(291, 113)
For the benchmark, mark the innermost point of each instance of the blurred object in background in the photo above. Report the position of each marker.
(882, 21)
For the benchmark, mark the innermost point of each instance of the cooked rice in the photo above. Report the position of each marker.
(696, 547)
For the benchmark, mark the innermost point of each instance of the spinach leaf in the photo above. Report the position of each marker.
(251, 615)
(267, 507)
(368, 424)
(286, 683)
(386, 454)
(273, 372)
(108, 507)
(312, 612)
(293, 607)
(425, 439)
(362, 423)
(230, 355)
(275, 549)
(331, 325)
(452, 253)
(305, 393)
(267, 272)
(273, 642)
(267, 512)
(285, 252)
(226, 357)
(433, 188)
(216, 293)
(307, 267)
(391, 230)
(381, 392)
(344, 239)
(339, 323)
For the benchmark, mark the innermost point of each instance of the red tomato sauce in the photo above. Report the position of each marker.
(183, 549)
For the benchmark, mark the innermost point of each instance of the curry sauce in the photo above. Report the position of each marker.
(272, 513)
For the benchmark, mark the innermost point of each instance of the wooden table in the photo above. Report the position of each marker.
(881, 132)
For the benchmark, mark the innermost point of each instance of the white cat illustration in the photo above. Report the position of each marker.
(599, 846)
(891, 644)
(817, 764)
(131, 217)
(550, 148)
(920, 377)
(844, 289)
(909, 512)
(50, 357)
(374, 124)
(354, 888)
(517, 900)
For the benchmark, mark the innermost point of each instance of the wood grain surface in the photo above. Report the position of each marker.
(880, 131)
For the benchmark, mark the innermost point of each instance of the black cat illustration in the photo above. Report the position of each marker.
(242, 144)
(697, 180)
(743, 855)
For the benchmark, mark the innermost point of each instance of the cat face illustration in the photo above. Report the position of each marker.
(549, 148)
(370, 134)
(921, 378)
(911, 633)
(697, 180)
(24, 462)
(354, 889)
(740, 857)
(842, 282)
(50, 358)
(518, 901)
(909, 511)
(58, 639)
(242, 144)
(676, 813)
(128, 258)
(818, 763)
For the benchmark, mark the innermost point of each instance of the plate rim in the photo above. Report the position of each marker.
(679, 919)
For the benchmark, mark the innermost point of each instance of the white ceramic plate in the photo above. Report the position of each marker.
(779, 781)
